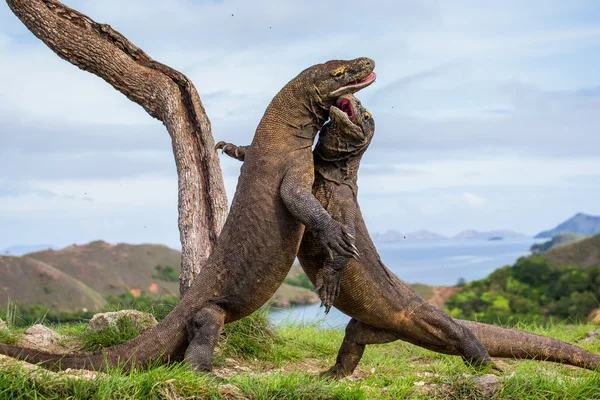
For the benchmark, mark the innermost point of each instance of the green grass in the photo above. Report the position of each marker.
(258, 361)
(123, 331)
(8, 337)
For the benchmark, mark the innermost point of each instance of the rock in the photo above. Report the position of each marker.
(487, 384)
(594, 316)
(44, 376)
(591, 336)
(41, 337)
(103, 321)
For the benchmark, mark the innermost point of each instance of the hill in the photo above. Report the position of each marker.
(559, 240)
(473, 234)
(113, 269)
(580, 223)
(584, 253)
(29, 281)
(83, 276)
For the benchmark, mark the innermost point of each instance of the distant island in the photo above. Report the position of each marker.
(423, 234)
(580, 223)
(395, 236)
(487, 235)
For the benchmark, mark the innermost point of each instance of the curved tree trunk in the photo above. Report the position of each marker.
(165, 94)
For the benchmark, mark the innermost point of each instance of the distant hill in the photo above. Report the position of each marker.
(395, 236)
(29, 281)
(582, 253)
(580, 223)
(558, 240)
(22, 249)
(473, 234)
(113, 269)
(82, 276)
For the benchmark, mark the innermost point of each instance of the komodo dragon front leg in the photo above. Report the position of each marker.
(233, 151)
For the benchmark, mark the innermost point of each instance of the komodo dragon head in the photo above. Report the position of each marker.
(336, 78)
(349, 131)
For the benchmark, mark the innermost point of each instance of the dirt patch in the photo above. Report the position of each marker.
(442, 294)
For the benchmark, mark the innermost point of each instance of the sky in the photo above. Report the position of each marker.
(486, 113)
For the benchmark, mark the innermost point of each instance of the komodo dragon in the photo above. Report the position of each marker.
(382, 307)
(260, 238)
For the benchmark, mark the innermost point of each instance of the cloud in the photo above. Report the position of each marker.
(480, 112)
(475, 171)
(468, 198)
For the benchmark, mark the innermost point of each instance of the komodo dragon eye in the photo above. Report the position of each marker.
(367, 116)
(339, 72)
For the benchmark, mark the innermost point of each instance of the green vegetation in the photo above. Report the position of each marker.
(123, 331)
(530, 290)
(289, 360)
(301, 280)
(250, 337)
(157, 307)
(23, 315)
(297, 277)
(425, 291)
(8, 337)
(166, 273)
(584, 253)
(558, 240)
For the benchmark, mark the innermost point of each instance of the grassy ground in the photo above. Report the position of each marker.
(255, 361)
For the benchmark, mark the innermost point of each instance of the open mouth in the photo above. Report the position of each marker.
(356, 85)
(345, 106)
(369, 79)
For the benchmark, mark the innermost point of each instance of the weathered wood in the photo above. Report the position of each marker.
(165, 94)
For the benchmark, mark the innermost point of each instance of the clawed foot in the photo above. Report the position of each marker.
(228, 148)
(334, 373)
(328, 287)
(337, 238)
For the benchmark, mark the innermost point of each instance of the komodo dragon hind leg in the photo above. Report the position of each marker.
(357, 336)
(441, 335)
(232, 150)
(203, 334)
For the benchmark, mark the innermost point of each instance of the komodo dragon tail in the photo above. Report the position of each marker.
(166, 341)
(513, 343)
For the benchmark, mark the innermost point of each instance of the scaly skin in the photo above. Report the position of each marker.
(261, 236)
(382, 307)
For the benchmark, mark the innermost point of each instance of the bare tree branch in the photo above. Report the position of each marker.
(165, 94)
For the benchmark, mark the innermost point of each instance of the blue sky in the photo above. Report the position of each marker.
(486, 113)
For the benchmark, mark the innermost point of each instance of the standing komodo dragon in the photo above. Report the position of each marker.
(382, 307)
(260, 238)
